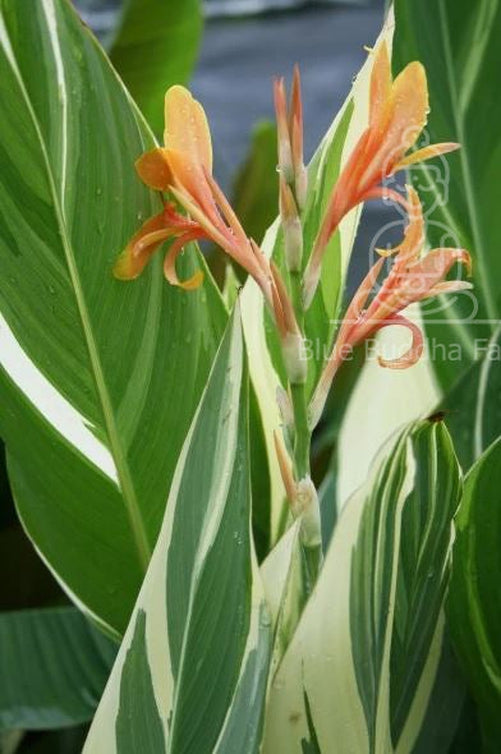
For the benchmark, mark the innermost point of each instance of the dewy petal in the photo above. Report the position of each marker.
(186, 127)
(415, 351)
(170, 263)
(380, 87)
(153, 169)
(140, 248)
(426, 153)
(409, 108)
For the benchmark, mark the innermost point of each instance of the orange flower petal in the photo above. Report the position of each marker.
(449, 286)
(186, 127)
(380, 87)
(140, 248)
(426, 153)
(170, 263)
(153, 169)
(415, 351)
(409, 108)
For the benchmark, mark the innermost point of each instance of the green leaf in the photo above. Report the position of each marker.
(474, 600)
(367, 648)
(205, 644)
(100, 379)
(54, 665)
(457, 43)
(472, 406)
(156, 46)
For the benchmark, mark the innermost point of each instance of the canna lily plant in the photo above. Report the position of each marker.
(198, 209)
(268, 546)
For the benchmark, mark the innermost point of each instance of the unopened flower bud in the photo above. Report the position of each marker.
(301, 185)
(294, 355)
(293, 231)
(305, 504)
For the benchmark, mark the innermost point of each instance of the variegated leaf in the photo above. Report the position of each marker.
(359, 672)
(99, 379)
(474, 602)
(192, 670)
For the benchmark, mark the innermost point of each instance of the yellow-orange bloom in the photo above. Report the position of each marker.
(397, 115)
(412, 278)
(183, 167)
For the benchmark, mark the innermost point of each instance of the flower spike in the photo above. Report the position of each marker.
(397, 115)
(412, 278)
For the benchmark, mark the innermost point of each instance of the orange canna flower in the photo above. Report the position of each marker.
(412, 278)
(183, 167)
(397, 115)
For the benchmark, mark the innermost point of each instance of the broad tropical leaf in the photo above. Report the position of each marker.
(53, 666)
(100, 379)
(363, 662)
(472, 407)
(197, 647)
(456, 40)
(155, 46)
(474, 603)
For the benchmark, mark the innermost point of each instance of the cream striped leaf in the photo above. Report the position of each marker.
(192, 670)
(358, 674)
(99, 379)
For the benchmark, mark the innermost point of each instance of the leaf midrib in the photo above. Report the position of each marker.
(136, 522)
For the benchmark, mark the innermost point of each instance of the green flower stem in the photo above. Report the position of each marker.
(310, 534)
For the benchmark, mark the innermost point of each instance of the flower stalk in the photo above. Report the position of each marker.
(196, 208)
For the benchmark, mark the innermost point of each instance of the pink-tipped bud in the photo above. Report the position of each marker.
(293, 230)
(284, 142)
(296, 137)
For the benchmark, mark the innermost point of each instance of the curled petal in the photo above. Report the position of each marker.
(170, 262)
(449, 286)
(153, 169)
(186, 127)
(426, 153)
(140, 248)
(413, 354)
